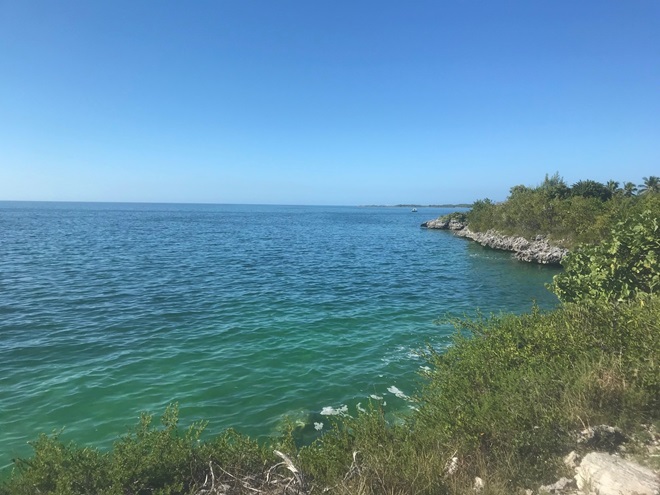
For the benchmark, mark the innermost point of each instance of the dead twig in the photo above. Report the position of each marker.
(291, 467)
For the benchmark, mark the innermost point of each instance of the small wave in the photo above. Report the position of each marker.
(331, 411)
(398, 393)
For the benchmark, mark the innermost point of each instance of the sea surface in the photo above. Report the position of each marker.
(241, 314)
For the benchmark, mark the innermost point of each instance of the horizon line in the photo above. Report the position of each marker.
(373, 205)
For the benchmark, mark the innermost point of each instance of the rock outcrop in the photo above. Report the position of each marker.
(538, 250)
(609, 472)
(606, 474)
(600, 473)
(444, 224)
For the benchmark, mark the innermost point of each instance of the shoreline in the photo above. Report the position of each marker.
(538, 250)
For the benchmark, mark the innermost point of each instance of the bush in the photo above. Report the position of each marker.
(624, 267)
(148, 460)
(458, 216)
(59, 468)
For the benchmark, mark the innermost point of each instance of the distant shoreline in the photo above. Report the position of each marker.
(460, 205)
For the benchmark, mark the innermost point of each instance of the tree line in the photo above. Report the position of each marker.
(567, 215)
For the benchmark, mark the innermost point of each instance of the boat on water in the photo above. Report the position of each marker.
(414, 210)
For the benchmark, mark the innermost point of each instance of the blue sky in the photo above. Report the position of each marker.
(341, 102)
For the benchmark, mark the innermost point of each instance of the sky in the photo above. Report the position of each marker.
(323, 102)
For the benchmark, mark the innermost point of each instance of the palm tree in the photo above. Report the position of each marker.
(651, 185)
(629, 189)
(613, 186)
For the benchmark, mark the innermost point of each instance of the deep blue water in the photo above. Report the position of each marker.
(241, 314)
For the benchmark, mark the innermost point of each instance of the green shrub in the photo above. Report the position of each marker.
(60, 469)
(148, 460)
(155, 460)
(459, 216)
(625, 266)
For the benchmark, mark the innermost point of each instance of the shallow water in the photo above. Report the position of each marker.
(241, 314)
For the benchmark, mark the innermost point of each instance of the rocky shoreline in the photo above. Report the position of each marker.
(538, 250)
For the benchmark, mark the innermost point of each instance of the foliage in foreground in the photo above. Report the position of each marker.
(150, 459)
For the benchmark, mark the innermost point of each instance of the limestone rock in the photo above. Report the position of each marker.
(559, 486)
(606, 474)
(572, 460)
(444, 224)
(456, 225)
(435, 224)
(538, 251)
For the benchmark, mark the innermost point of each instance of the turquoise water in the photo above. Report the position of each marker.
(241, 314)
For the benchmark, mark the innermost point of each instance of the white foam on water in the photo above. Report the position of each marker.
(360, 408)
(331, 411)
(376, 397)
(398, 393)
(318, 426)
(414, 355)
(400, 354)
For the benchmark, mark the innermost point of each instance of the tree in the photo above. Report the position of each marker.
(591, 189)
(518, 190)
(554, 187)
(629, 189)
(613, 187)
(651, 185)
(623, 267)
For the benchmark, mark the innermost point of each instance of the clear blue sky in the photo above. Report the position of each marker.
(323, 102)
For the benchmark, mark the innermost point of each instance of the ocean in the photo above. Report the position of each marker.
(244, 315)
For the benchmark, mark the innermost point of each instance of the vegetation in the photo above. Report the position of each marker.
(651, 185)
(503, 403)
(568, 216)
(149, 459)
(457, 216)
(625, 265)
